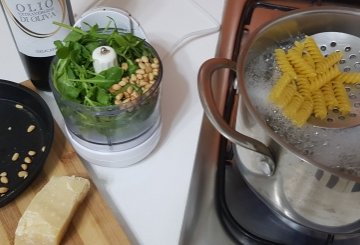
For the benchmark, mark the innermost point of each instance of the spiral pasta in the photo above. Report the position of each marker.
(310, 84)
(328, 62)
(298, 47)
(324, 77)
(303, 86)
(300, 65)
(279, 87)
(303, 113)
(320, 110)
(349, 77)
(288, 92)
(329, 96)
(293, 106)
(313, 49)
(284, 64)
(309, 59)
(341, 96)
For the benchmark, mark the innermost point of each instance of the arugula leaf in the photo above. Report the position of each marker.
(112, 75)
(66, 87)
(75, 76)
(103, 97)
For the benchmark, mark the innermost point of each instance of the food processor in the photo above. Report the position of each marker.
(117, 135)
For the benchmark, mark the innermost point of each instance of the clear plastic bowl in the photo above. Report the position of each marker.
(110, 125)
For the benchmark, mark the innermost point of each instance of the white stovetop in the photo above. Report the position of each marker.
(149, 198)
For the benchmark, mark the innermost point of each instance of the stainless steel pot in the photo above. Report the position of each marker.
(309, 175)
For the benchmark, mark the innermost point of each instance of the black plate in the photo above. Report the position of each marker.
(21, 107)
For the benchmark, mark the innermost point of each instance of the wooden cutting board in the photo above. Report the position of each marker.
(93, 222)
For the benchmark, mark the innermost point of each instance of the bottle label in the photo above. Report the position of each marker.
(31, 23)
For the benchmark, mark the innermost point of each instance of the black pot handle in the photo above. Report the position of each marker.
(207, 99)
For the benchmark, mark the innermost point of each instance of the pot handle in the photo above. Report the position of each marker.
(207, 99)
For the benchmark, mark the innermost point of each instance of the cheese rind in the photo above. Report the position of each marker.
(46, 218)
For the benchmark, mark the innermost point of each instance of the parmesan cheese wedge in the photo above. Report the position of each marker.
(46, 218)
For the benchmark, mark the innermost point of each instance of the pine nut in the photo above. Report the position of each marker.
(3, 190)
(43, 148)
(124, 66)
(133, 77)
(145, 59)
(156, 60)
(2, 174)
(151, 76)
(148, 69)
(140, 71)
(30, 128)
(15, 157)
(27, 160)
(142, 65)
(116, 87)
(31, 153)
(130, 90)
(122, 83)
(22, 174)
(4, 180)
(24, 166)
(148, 86)
(143, 83)
(19, 106)
(119, 96)
(155, 66)
(126, 100)
(125, 79)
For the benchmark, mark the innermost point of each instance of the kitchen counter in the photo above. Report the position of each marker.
(149, 198)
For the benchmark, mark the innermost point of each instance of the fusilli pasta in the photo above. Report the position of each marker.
(341, 96)
(313, 49)
(304, 112)
(310, 84)
(328, 62)
(329, 96)
(349, 77)
(324, 77)
(284, 64)
(300, 65)
(320, 110)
